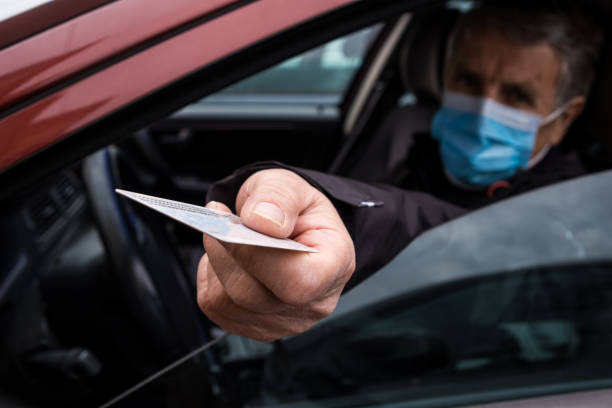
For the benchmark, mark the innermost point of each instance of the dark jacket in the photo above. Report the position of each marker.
(382, 219)
(422, 170)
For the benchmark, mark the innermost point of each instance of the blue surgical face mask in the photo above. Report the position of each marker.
(482, 141)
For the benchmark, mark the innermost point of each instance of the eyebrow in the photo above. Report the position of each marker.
(522, 89)
(460, 71)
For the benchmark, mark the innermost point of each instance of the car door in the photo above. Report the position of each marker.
(93, 78)
(61, 81)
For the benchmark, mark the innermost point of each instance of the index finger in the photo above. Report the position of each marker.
(298, 278)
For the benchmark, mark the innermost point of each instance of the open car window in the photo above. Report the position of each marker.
(327, 69)
(309, 85)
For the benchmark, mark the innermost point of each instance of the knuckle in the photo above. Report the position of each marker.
(205, 302)
(260, 330)
(300, 327)
(299, 291)
(245, 259)
(210, 246)
(202, 300)
(202, 262)
(266, 333)
(202, 289)
(276, 174)
(244, 299)
(205, 305)
(323, 309)
(283, 184)
(264, 336)
(294, 330)
(346, 263)
(287, 199)
(349, 265)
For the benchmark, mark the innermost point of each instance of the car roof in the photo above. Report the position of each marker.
(566, 223)
(70, 75)
(26, 18)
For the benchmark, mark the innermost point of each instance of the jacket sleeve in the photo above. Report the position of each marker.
(381, 219)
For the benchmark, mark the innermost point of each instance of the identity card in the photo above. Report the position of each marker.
(222, 226)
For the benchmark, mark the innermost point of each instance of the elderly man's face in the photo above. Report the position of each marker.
(488, 64)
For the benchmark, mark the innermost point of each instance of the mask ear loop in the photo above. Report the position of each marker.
(554, 114)
(548, 119)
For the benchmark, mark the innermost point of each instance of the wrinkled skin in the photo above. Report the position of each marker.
(486, 63)
(267, 293)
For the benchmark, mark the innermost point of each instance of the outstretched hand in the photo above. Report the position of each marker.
(268, 293)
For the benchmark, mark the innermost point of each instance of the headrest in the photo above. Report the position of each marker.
(592, 131)
(422, 56)
(599, 108)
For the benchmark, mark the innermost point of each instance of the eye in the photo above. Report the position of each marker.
(518, 96)
(469, 81)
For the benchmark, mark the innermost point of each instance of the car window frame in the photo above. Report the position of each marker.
(164, 101)
(283, 106)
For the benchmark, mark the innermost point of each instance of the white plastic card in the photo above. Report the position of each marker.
(222, 226)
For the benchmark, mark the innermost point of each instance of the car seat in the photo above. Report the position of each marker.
(420, 61)
(591, 134)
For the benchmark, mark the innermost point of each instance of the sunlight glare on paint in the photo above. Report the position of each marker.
(11, 8)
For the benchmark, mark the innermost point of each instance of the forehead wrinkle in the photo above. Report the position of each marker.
(510, 64)
(520, 85)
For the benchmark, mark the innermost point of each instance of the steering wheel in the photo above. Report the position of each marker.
(149, 276)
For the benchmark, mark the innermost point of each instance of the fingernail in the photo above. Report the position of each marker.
(270, 212)
(214, 205)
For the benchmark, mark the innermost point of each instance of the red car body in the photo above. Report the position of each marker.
(67, 76)
(68, 68)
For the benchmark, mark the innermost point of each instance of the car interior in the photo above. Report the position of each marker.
(97, 293)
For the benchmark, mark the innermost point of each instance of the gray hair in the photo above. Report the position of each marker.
(576, 39)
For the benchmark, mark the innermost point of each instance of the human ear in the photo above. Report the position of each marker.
(573, 109)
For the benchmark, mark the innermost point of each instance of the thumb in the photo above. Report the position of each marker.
(270, 201)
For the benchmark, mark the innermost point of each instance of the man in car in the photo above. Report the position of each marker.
(515, 80)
